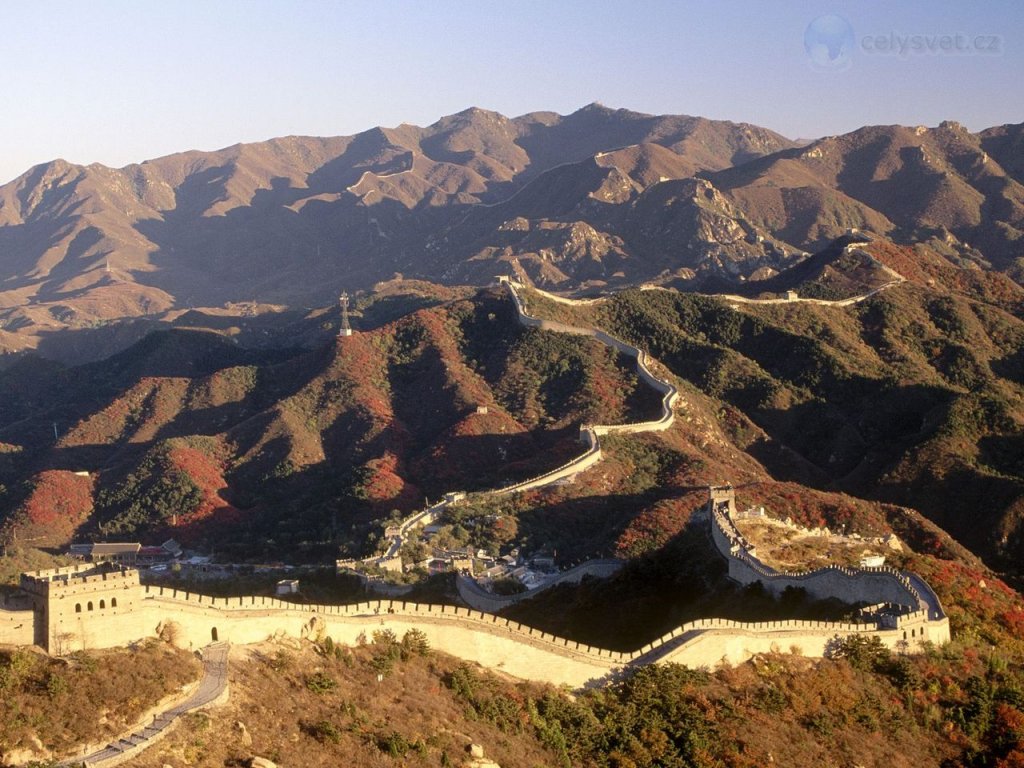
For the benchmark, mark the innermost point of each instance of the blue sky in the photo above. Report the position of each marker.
(120, 82)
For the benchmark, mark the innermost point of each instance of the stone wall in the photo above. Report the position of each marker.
(851, 585)
(587, 459)
(193, 620)
(17, 627)
(521, 651)
(589, 434)
(197, 620)
(916, 612)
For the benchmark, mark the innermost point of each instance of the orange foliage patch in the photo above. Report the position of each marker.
(385, 487)
(207, 472)
(60, 502)
(654, 527)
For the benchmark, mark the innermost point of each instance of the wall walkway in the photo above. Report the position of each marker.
(732, 298)
(907, 599)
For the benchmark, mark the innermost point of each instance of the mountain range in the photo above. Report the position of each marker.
(172, 367)
(597, 199)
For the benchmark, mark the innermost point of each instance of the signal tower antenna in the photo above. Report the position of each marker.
(346, 329)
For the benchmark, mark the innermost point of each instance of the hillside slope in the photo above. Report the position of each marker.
(190, 434)
(913, 396)
(294, 220)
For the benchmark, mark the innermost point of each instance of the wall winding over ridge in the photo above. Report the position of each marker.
(909, 597)
(589, 434)
(911, 614)
(733, 298)
(197, 620)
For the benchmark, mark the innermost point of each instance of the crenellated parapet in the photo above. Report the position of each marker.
(193, 620)
(83, 578)
(908, 597)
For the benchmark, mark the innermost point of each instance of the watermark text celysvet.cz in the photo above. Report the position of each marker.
(898, 44)
(831, 43)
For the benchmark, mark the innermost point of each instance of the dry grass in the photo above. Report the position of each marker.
(88, 697)
(788, 548)
(303, 707)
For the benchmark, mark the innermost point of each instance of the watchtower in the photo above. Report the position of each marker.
(722, 494)
(76, 603)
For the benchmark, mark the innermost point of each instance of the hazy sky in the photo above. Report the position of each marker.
(120, 82)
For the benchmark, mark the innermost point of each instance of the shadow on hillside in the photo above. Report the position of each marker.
(271, 249)
(77, 346)
(482, 462)
(1004, 453)
(820, 441)
(682, 581)
(589, 526)
(101, 385)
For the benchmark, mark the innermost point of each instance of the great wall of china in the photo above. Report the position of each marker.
(79, 607)
(732, 298)
(589, 435)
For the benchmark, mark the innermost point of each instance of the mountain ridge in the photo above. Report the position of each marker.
(580, 201)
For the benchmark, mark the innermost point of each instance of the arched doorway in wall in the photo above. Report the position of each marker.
(213, 634)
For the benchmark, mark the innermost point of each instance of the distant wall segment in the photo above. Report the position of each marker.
(479, 598)
(590, 434)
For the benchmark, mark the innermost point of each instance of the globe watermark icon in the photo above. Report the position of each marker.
(831, 44)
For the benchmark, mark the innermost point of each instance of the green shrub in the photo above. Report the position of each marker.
(393, 744)
(865, 653)
(323, 731)
(415, 643)
(320, 683)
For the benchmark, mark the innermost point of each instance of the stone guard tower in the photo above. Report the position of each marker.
(74, 604)
(723, 494)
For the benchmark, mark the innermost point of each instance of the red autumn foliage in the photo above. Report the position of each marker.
(654, 527)
(385, 488)
(207, 473)
(60, 502)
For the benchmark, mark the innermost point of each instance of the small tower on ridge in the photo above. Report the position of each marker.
(346, 329)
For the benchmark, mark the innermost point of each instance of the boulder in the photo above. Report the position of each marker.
(243, 734)
(477, 759)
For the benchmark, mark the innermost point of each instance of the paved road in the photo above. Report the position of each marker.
(215, 679)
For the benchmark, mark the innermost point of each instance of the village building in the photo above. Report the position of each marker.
(121, 553)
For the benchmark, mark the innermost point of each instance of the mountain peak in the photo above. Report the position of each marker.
(597, 108)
